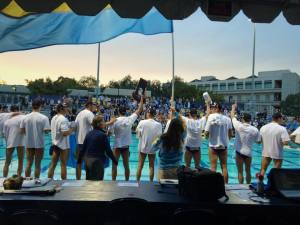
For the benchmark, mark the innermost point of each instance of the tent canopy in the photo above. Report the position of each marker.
(259, 11)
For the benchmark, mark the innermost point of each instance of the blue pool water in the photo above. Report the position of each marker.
(291, 160)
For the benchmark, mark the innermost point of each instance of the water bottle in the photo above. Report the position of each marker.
(207, 98)
(260, 184)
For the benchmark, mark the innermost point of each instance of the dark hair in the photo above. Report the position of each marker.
(277, 116)
(173, 138)
(60, 107)
(122, 110)
(97, 122)
(193, 112)
(152, 112)
(216, 105)
(88, 104)
(36, 103)
(14, 108)
(246, 117)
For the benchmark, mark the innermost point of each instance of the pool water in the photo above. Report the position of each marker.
(291, 160)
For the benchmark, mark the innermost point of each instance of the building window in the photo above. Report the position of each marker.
(239, 85)
(277, 97)
(222, 87)
(248, 85)
(278, 83)
(231, 86)
(207, 86)
(215, 87)
(200, 86)
(268, 84)
(239, 98)
(257, 98)
(258, 85)
(267, 98)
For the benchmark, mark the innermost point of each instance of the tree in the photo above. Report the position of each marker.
(87, 82)
(40, 86)
(155, 87)
(291, 105)
(62, 84)
(48, 87)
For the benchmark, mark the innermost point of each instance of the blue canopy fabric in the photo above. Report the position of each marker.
(39, 30)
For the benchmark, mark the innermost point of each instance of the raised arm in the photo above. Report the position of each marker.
(233, 111)
(111, 122)
(140, 107)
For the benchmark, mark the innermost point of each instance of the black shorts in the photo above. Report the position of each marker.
(126, 148)
(191, 150)
(54, 148)
(244, 157)
(218, 150)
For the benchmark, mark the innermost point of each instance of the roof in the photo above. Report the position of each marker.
(17, 89)
(212, 79)
(251, 76)
(259, 11)
(196, 80)
(231, 78)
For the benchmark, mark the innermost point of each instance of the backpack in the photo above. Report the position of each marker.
(201, 184)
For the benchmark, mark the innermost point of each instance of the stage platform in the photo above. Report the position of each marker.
(88, 202)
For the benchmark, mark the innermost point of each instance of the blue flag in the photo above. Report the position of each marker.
(39, 30)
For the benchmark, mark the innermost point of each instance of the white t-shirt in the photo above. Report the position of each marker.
(147, 131)
(83, 123)
(245, 136)
(194, 131)
(59, 124)
(122, 130)
(296, 132)
(3, 117)
(12, 133)
(273, 135)
(35, 125)
(218, 126)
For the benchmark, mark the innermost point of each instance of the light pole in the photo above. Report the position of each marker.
(253, 72)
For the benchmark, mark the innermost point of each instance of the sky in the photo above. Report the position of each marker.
(202, 48)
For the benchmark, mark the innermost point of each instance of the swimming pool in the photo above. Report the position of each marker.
(291, 160)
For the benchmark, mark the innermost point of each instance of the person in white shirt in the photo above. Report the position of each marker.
(295, 136)
(218, 130)
(147, 131)
(34, 125)
(3, 117)
(14, 140)
(60, 131)
(83, 123)
(274, 137)
(245, 136)
(122, 129)
(194, 127)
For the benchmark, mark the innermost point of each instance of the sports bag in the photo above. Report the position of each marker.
(201, 184)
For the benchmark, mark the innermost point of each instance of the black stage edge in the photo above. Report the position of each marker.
(94, 203)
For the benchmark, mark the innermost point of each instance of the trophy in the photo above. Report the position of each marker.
(140, 90)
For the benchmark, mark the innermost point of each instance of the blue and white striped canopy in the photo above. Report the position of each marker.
(259, 11)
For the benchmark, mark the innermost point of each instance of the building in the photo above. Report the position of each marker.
(107, 92)
(270, 87)
(13, 94)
